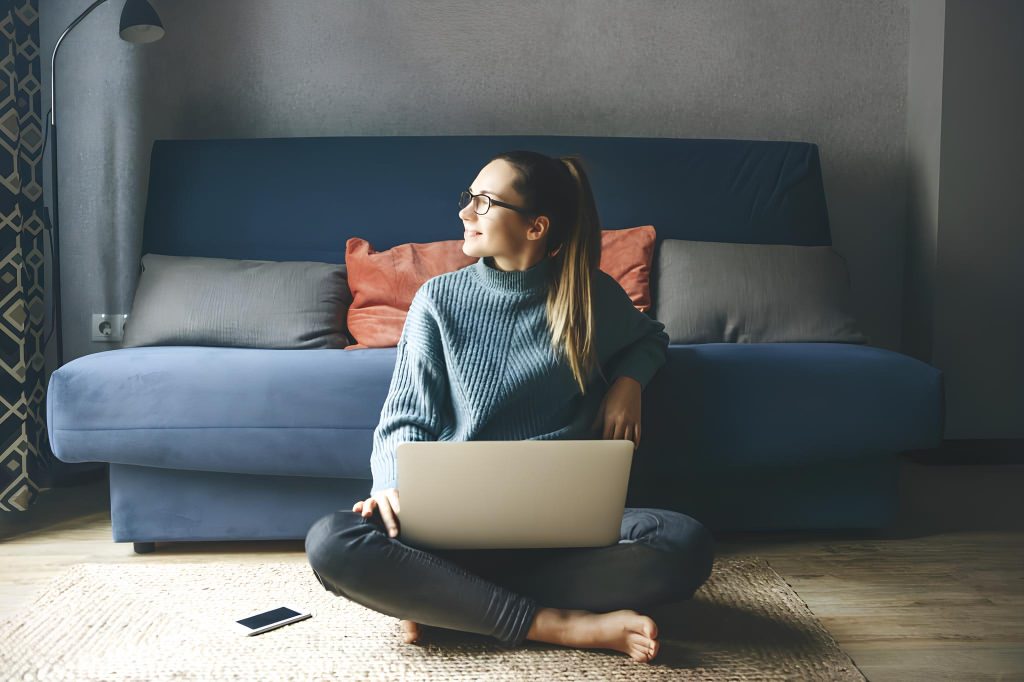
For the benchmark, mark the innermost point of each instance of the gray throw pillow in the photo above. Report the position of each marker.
(715, 292)
(193, 301)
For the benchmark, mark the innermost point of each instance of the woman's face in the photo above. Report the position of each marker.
(507, 235)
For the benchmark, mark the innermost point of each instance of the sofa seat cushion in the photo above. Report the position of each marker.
(308, 412)
(720, 405)
(312, 412)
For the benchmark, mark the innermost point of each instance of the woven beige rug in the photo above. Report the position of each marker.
(147, 620)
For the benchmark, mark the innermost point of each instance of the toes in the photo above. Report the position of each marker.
(651, 628)
(411, 630)
(640, 641)
(640, 653)
(642, 644)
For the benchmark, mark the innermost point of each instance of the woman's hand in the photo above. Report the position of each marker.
(619, 414)
(387, 501)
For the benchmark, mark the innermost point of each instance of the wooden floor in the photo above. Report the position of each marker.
(938, 595)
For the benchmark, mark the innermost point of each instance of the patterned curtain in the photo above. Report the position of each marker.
(26, 462)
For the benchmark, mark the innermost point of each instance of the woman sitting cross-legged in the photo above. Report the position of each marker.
(533, 341)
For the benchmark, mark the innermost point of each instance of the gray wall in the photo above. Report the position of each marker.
(979, 316)
(924, 136)
(834, 73)
(965, 249)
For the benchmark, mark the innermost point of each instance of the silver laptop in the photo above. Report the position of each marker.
(512, 493)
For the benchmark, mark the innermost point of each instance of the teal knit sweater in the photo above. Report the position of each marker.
(474, 362)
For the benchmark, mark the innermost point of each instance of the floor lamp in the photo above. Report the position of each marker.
(139, 24)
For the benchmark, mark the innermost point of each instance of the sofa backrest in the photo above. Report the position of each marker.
(302, 198)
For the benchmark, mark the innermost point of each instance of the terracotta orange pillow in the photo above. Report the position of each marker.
(383, 283)
(627, 255)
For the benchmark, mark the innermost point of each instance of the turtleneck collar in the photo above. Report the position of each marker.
(534, 280)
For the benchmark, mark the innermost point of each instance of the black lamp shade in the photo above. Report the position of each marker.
(140, 22)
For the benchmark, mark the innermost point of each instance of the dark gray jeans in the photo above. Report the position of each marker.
(661, 556)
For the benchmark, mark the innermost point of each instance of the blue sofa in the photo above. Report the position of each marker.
(211, 443)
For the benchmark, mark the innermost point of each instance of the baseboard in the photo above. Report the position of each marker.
(962, 451)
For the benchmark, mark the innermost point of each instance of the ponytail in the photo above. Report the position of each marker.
(570, 303)
(560, 189)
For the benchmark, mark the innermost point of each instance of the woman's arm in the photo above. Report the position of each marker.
(638, 344)
(638, 347)
(413, 409)
(642, 359)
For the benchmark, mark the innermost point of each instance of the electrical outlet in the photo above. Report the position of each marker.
(108, 327)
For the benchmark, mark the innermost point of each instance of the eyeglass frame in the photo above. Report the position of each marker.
(490, 201)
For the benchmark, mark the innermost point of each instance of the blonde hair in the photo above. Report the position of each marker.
(559, 188)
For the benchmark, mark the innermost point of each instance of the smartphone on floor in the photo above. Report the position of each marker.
(268, 620)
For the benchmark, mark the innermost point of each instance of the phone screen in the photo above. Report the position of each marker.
(267, 617)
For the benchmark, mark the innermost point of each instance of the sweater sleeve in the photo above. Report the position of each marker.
(638, 344)
(413, 407)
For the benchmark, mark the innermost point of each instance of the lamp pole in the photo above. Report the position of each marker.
(139, 24)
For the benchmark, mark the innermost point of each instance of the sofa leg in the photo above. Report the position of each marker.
(145, 547)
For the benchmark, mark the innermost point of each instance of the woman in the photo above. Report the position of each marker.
(533, 341)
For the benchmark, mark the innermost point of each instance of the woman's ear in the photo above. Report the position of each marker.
(539, 228)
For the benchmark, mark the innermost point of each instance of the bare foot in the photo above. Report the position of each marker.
(411, 631)
(624, 630)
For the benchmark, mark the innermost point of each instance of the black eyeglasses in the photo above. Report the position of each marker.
(482, 203)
